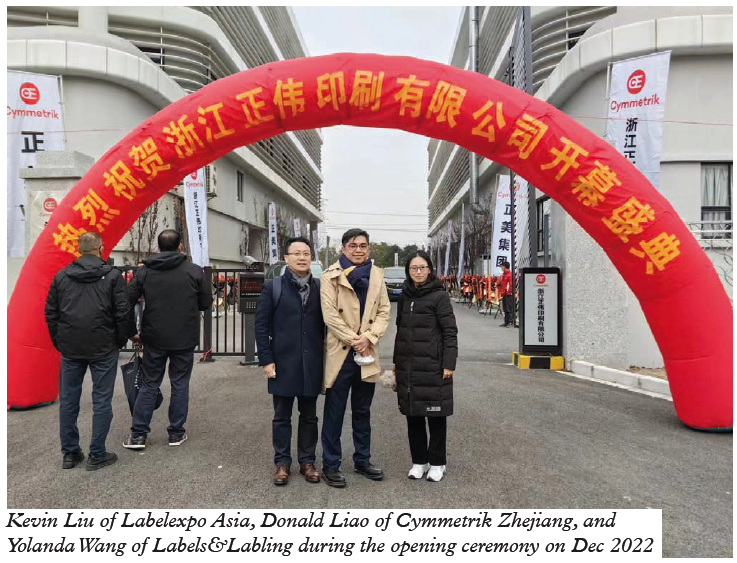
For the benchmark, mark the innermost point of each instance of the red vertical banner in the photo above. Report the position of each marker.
(638, 229)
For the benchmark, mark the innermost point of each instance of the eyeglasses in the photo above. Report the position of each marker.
(352, 247)
(417, 269)
(299, 254)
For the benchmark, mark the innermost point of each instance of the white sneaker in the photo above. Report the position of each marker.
(436, 472)
(418, 471)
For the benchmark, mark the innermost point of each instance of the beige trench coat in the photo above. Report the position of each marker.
(342, 314)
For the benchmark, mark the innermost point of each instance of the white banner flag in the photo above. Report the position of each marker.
(522, 219)
(446, 270)
(273, 244)
(35, 123)
(297, 228)
(501, 245)
(636, 111)
(195, 209)
(461, 248)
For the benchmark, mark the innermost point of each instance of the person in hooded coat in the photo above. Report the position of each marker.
(425, 354)
(89, 320)
(175, 291)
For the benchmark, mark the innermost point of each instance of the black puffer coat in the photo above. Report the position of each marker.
(427, 343)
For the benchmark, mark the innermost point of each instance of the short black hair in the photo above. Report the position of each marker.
(426, 257)
(353, 233)
(291, 241)
(505, 264)
(169, 240)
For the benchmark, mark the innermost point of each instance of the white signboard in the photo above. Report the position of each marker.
(541, 309)
(273, 243)
(195, 209)
(297, 228)
(636, 111)
(35, 123)
(41, 204)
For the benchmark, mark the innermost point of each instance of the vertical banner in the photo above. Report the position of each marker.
(437, 264)
(273, 244)
(446, 270)
(501, 245)
(636, 111)
(463, 241)
(521, 220)
(297, 228)
(195, 209)
(34, 124)
(314, 245)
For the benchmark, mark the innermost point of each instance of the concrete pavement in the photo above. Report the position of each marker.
(518, 439)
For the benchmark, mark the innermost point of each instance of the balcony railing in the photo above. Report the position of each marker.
(712, 233)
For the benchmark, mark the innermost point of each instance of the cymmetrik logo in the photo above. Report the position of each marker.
(636, 82)
(29, 93)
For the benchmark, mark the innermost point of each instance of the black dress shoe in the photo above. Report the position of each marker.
(95, 463)
(370, 471)
(72, 460)
(333, 478)
(505, 326)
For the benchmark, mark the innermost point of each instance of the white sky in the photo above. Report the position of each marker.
(372, 173)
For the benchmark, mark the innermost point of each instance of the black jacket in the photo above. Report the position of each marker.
(292, 337)
(175, 292)
(87, 312)
(426, 343)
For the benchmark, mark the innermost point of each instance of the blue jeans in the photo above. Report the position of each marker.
(336, 398)
(71, 377)
(306, 430)
(154, 366)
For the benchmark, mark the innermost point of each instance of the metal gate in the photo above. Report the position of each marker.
(221, 329)
(222, 324)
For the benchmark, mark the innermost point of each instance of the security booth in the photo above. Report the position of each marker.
(250, 283)
(541, 326)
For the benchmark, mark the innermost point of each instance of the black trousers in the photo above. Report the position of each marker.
(507, 304)
(422, 452)
(306, 431)
(154, 367)
(336, 399)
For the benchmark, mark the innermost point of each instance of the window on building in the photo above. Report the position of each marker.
(155, 53)
(716, 200)
(240, 183)
(543, 210)
(573, 37)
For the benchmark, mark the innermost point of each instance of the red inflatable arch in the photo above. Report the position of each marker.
(638, 229)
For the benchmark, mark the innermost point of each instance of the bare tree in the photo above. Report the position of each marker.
(144, 232)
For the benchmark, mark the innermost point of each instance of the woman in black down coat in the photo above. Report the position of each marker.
(425, 353)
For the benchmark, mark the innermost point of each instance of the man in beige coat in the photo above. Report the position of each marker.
(356, 310)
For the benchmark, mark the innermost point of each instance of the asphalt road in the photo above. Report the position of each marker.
(519, 439)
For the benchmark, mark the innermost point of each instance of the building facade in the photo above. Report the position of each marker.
(572, 49)
(121, 65)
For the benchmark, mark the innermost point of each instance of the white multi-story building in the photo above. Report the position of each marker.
(120, 65)
(572, 48)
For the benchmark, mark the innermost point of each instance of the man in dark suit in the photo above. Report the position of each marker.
(175, 291)
(290, 335)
